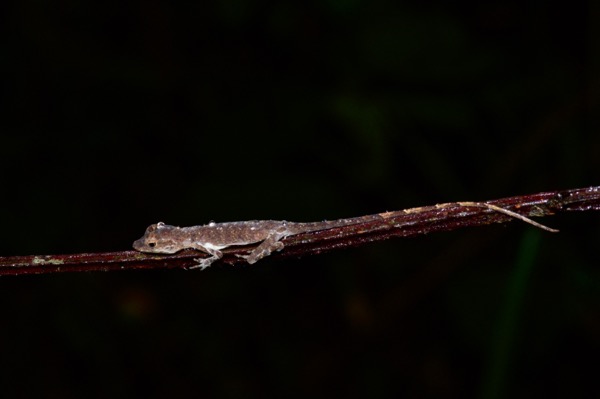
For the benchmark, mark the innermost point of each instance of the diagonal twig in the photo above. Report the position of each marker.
(407, 223)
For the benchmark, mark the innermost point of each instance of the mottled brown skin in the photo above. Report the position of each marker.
(211, 238)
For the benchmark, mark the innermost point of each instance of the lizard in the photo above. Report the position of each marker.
(213, 237)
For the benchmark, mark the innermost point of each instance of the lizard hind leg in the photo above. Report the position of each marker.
(270, 244)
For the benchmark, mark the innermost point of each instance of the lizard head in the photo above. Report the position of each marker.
(159, 238)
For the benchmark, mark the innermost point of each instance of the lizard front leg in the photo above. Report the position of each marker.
(203, 263)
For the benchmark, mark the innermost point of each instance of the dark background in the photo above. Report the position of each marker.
(116, 115)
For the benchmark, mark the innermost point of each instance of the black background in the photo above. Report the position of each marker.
(116, 115)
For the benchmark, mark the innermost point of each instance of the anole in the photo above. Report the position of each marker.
(211, 238)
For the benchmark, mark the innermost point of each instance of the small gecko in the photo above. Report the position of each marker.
(211, 238)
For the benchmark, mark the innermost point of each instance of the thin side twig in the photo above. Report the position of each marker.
(407, 223)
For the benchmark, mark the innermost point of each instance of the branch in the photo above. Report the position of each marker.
(407, 223)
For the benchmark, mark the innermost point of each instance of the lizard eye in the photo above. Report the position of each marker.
(151, 244)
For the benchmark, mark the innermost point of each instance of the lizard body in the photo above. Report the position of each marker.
(212, 237)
